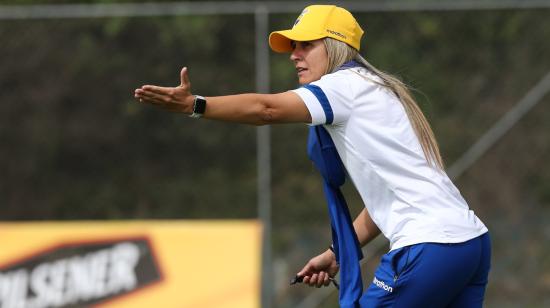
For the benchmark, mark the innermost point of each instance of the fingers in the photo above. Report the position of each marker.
(308, 269)
(172, 98)
(149, 97)
(314, 274)
(184, 77)
(317, 279)
(322, 280)
(159, 95)
(158, 90)
(326, 281)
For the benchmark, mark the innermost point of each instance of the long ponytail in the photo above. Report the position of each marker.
(340, 53)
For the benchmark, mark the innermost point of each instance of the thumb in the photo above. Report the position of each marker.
(184, 77)
(305, 271)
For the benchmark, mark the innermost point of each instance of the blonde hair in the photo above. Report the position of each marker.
(340, 53)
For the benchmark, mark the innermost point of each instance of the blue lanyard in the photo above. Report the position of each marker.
(323, 153)
(349, 64)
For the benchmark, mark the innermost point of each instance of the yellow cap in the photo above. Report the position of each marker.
(317, 22)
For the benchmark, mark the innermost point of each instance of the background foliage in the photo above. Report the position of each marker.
(75, 145)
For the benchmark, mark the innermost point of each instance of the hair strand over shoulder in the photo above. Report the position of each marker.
(340, 53)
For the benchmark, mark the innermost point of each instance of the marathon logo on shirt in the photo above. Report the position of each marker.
(78, 275)
(382, 285)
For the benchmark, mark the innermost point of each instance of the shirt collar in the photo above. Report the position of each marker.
(349, 64)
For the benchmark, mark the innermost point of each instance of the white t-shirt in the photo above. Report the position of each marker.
(410, 201)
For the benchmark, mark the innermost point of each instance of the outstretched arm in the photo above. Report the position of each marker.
(256, 109)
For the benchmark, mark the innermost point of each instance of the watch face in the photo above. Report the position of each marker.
(200, 105)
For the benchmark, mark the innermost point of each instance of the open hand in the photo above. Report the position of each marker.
(176, 99)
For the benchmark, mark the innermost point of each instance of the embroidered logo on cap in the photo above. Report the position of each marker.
(300, 17)
(337, 34)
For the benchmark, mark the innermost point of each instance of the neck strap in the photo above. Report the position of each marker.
(349, 64)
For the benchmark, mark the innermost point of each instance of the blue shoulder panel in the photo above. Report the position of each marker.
(318, 92)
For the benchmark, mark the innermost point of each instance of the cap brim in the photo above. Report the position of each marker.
(280, 41)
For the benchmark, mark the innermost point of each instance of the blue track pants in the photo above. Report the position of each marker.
(432, 275)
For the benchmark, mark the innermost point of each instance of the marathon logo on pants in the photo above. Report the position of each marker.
(78, 274)
(382, 285)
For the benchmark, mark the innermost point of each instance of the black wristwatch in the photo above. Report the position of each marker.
(199, 107)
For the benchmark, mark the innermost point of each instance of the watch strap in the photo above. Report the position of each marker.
(199, 107)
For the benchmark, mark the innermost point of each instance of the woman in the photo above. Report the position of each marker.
(439, 250)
